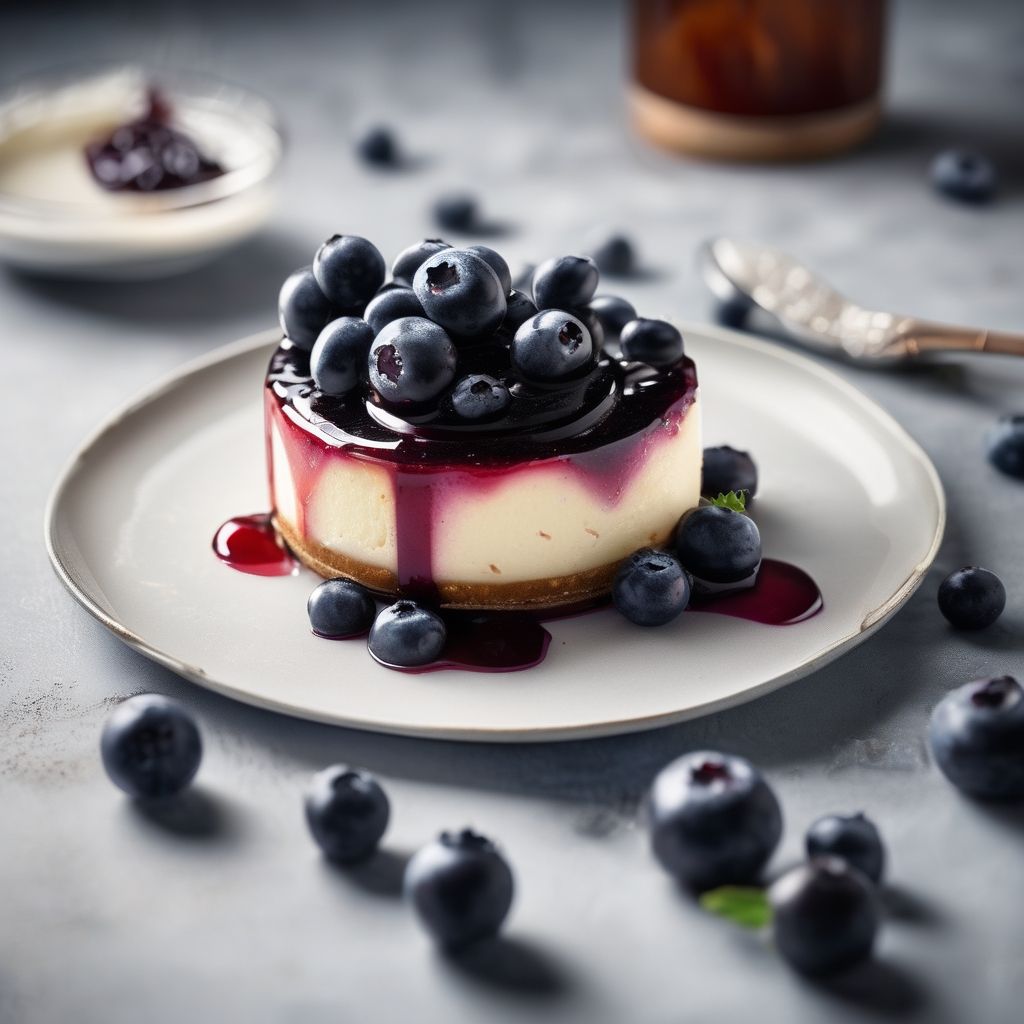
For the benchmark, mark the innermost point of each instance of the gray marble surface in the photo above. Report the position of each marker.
(226, 912)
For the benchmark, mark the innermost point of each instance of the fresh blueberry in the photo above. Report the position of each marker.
(853, 838)
(519, 309)
(349, 270)
(565, 282)
(713, 820)
(592, 322)
(303, 309)
(977, 738)
(456, 212)
(460, 292)
(338, 358)
(718, 545)
(406, 635)
(731, 312)
(614, 255)
(479, 397)
(340, 608)
(408, 261)
(613, 312)
(496, 262)
(461, 888)
(972, 598)
(725, 470)
(825, 916)
(347, 813)
(392, 304)
(1006, 445)
(377, 147)
(151, 747)
(551, 346)
(412, 360)
(964, 175)
(650, 588)
(655, 342)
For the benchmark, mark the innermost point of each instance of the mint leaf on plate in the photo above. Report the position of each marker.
(736, 500)
(746, 906)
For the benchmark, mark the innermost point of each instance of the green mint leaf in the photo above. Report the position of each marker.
(736, 500)
(743, 905)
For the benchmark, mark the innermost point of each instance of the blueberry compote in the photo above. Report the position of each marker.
(148, 154)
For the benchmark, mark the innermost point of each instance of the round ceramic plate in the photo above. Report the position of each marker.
(130, 523)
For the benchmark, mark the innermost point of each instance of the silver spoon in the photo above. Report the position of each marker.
(814, 314)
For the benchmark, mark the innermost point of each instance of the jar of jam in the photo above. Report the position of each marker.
(757, 79)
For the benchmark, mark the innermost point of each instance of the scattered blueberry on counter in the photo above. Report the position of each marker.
(340, 608)
(731, 312)
(614, 255)
(457, 211)
(650, 588)
(1006, 445)
(853, 838)
(972, 598)
(727, 469)
(964, 175)
(461, 888)
(407, 635)
(378, 147)
(347, 812)
(151, 747)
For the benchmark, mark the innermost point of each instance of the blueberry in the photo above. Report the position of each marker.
(825, 916)
(349, 270)
(478, 397)
(519, 309)
(406, 635)
(377, 147)
(718, 545)
(977, 738)
(613, 312)
(614, 255)
(340, 608)
(964, 175)
(496, 262)
(1006, 446)
(304, 310)
(853, 838)
(460, 292)
(412, 360)
(408, 261)
(725, 470)
(731, 312)
(347, 813)
(551, 346)
(655, 342)
(392, 304)
(972, 598)
(151, 747)
(461, 888)
(565, 282)
(338, 358)
(592, 322)
(650, 588)
(713, 820)
(456, 212)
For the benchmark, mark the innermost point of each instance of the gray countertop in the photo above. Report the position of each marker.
(227, 912)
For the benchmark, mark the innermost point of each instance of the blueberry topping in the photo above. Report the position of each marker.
(412, 360)
(456, 212)
(614, 255)
(461, 292)
(349, 270)
(392, 304)
(496, 263)
(725, 470)
(853, 838)
(551, 346)
(565, 282)
(964, 175)
(977, 738)
(303, 309)
(825, 916)
(655, 342)
(460, 887)
(718, 545)
(407, 635)
(479, 397)
(347, 813)
(377, 147)
(972, 598)
(151, 747)
(340, 608)
(408, 261)
(520, 308)
(650, 588)
(592, 322)
(713, 820)
(613, 312)
(338, 359)
(1006, 446)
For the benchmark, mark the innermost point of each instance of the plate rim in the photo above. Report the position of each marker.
(871, 623)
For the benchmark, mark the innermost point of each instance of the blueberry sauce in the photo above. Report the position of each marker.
(782, 596)
(250, 544)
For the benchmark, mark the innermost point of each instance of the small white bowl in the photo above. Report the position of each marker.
(56, 219)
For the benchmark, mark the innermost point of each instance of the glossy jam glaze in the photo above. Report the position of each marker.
(250, 544)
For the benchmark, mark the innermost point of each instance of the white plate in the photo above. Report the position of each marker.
(845, 493)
